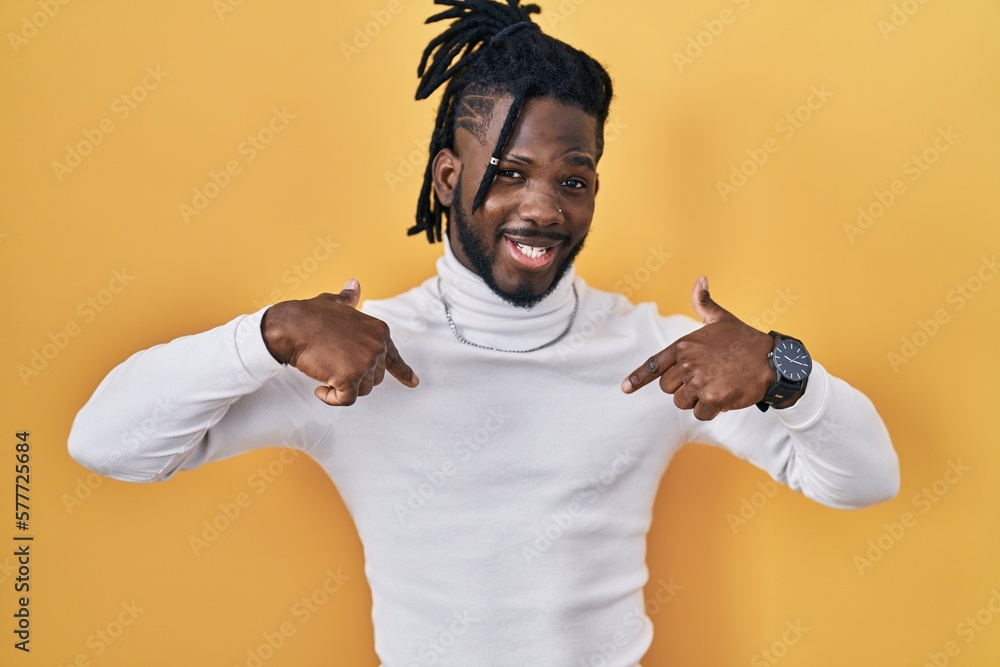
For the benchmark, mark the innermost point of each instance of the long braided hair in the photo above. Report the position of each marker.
(491, 49)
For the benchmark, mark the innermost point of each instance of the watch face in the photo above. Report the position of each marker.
(792, 360)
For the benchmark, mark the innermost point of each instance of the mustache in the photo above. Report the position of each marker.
(529, 233)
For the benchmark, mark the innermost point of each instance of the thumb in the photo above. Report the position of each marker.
(707, 310)
(351, 293)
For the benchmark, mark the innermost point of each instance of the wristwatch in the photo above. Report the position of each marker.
(791, 364)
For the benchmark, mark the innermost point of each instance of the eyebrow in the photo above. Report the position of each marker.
(578, 159)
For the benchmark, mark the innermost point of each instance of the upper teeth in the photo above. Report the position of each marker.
(531, 251)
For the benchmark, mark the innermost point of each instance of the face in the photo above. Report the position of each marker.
(538, 209)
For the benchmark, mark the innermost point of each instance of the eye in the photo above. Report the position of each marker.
(508, 173)
(575, 183)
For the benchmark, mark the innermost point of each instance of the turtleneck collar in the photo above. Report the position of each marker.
(484, 318)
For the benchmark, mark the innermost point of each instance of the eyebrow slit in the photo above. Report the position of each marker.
(520, 159)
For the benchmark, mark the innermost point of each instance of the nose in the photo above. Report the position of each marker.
(541, 205)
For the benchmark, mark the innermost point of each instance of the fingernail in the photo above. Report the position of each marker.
(704, 283)
(627, 385)
(352, 284)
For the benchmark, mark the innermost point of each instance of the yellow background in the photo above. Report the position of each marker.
(776, 250)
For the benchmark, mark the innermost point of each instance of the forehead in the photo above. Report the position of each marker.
(545, 127)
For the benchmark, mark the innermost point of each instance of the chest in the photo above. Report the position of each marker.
(548, 429)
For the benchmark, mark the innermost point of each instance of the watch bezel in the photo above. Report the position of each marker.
(775, 364)
(782, 381)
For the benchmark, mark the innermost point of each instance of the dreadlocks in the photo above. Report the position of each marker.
(493, 49)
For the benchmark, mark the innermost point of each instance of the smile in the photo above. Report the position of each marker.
(531, 251)
(537, 254)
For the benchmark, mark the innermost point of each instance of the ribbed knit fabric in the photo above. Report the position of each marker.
(504, 503)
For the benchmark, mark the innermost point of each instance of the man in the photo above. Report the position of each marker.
(536, 457)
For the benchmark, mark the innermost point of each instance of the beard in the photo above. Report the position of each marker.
(474, 244)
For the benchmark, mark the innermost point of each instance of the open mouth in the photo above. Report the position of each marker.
(535, 253)
(531, 251)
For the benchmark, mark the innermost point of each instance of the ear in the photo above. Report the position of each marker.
(446, 170)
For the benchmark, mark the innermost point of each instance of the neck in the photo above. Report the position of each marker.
(484, 318)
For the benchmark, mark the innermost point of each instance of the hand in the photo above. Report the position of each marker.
(330, 341)
(721, 366)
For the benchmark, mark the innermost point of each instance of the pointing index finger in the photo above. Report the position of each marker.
(398, 368)
(655, 366)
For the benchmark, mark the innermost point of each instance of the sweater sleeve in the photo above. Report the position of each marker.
(831, 445)
(196, 399)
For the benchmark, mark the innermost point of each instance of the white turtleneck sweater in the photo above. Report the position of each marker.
(503, 503)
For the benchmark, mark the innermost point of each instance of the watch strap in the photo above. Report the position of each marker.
(778, 392)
